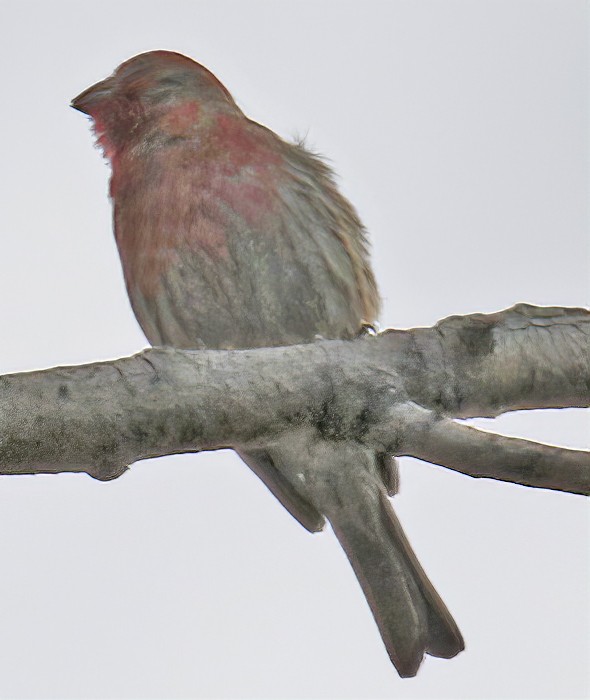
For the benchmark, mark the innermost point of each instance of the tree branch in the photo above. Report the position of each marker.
(387, 392)
(483, 365)
(479, 453)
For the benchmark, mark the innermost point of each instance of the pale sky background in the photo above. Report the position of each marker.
(459, 131)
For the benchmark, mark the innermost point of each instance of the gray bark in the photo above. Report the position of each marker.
(399, 392)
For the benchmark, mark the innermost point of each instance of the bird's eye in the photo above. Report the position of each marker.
(170, 82)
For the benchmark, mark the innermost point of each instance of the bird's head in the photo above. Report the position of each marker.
(154, 92)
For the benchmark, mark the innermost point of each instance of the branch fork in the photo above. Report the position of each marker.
(399, 392)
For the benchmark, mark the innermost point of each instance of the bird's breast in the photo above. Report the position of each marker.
(213, 257)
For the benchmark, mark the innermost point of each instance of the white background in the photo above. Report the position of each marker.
(458, 129)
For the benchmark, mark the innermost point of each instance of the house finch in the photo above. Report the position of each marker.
(230, 237)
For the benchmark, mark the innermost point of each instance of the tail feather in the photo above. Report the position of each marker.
(345, 482)
(388, 471)
(409, 613)
(444, 638)
(260, 462)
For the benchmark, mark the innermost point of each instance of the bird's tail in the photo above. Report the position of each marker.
(344, 481)
(409, 612)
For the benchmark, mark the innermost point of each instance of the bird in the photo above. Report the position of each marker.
(231, 237)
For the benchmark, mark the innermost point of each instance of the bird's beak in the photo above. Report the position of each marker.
(93, 96)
